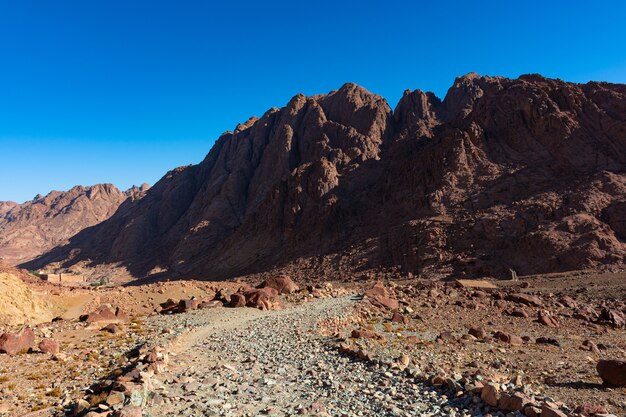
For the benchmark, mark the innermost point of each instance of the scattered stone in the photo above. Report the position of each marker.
(590, 346)
(547, 319)
(526, 299)
(129, 411)
(518, 312)
(548, 410)
(188, 305)
(398, 318)
(547, 341)
(508, 338)
(49, 346)
(478, 333)
(112, 328)
(366, 334)
(589, 410)
(516, 401)
(491, 394)
(612, 317)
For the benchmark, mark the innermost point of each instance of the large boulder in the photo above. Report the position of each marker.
(612, 372)
(281, 283)
(105, 313)
(263, 299)
(18, 342)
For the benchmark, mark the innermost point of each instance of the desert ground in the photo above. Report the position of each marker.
(396, 347)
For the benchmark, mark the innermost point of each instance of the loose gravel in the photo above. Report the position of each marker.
(249, 363)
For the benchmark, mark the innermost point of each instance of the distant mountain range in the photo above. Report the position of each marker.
(28, 230)
(524, 174)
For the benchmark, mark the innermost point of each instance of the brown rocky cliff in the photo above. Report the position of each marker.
(36, 226)
(503, 173)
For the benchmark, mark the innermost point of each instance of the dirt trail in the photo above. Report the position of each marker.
(248, 363)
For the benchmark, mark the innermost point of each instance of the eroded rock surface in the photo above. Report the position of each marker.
(502, 174)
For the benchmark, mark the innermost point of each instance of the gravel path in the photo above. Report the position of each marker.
(249, 363)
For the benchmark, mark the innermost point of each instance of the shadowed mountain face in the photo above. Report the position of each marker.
(27, 230)
(528, 174)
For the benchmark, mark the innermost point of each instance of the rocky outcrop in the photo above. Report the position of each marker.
(38, 225)
(522, 174)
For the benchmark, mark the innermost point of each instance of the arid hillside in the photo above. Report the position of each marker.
(524, 174)
(38, 225)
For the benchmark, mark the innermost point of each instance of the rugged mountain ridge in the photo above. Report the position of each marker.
(525, 174)
(36, 226)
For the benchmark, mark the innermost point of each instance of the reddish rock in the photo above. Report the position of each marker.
(612, 372)
(209, 304)
(589, 410)
(518, 312)
(516, 401)
(438, 380)
(263, 299)
(366, 334)
(526, 299)
(548, 410)
(532, 411)
(169, 306)
(585, 314)
(547, 319)
(112, 328)
(19, 342)
(612, 317)
(237, 300)
(478, 333)
(49, 346)
(223, 295)
(381, 297)
(188, 305)
(508, 338)
(491, 394)
(105, 313)
(568, 301)
(281, 283)
(398, 318)
(129, 411)
(590, 346)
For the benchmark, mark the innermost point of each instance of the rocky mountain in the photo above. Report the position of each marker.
(526, 174)
(29, 229)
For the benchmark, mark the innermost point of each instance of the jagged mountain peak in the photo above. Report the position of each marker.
(506, 162)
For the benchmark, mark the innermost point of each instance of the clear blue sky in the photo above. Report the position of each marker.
(121, 91)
